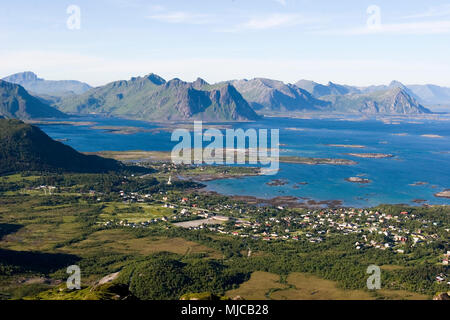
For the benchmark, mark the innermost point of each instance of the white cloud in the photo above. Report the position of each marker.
(412, 28)
(272, 21)
(438, 11)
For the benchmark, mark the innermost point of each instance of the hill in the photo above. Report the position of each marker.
(24, 147)
(16, 102)
(272, 95)
(152, 98)
(32, 83)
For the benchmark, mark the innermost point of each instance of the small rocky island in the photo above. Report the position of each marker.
(277, 182)
(418, 183)
(443, 194)
(358, 180)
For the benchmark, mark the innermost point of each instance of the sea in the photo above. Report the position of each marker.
(419, 168)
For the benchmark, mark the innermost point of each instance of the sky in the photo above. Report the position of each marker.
(353, 42)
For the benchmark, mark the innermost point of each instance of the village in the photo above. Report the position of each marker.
(399, 233)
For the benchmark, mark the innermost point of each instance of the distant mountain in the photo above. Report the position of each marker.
(391, 101)
(426, 94)
(24, 147)
(152, 98)
(431, 94)
(35, 85)
(392, 85)
(16, 102)
(371, 99)
(272, 95)
(318, 90)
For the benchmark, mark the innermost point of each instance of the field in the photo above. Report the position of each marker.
(121, 241)
(301, 286)
(258, 287)
(134, 155)
(133, 212)
(40, 235)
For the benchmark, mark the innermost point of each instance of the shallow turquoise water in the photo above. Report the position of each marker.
(417, 158)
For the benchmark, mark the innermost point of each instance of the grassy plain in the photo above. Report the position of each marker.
(302, 286)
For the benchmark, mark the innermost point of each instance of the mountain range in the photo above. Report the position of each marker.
(24, 147)
(428, 94)
(153, 98)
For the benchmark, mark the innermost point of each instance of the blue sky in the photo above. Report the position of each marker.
(353, 42)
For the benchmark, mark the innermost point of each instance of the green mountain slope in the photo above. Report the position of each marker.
(16, 102)
(24, 147)
(152, 98)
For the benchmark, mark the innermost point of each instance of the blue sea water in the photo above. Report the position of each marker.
(417, 158)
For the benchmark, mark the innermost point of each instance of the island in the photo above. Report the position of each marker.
(443, 194)
(316, 161)
(370, 155)
(157, 156)
(356, 146)
(125, 130)
(433, 136)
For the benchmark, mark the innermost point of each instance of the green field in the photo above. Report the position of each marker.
(133, 212)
